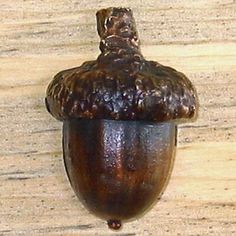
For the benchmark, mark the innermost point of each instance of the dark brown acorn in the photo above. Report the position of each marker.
(120, 114)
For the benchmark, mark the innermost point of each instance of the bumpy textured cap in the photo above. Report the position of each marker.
(121, 84)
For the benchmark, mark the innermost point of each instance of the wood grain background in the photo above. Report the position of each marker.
(41, 37)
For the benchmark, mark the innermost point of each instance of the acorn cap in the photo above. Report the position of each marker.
(121, 84)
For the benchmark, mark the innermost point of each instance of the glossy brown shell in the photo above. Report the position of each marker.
(118, 169)
(121, 84)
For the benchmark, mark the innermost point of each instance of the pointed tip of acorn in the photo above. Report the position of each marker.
(114, 224)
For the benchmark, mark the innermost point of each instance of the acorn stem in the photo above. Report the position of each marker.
(117, 30)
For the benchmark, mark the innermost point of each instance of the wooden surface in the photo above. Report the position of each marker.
(40, 38)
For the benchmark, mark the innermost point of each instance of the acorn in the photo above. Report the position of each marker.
(120, 115)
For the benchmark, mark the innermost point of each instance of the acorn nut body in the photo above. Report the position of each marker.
(118, 168)
(120, 115)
